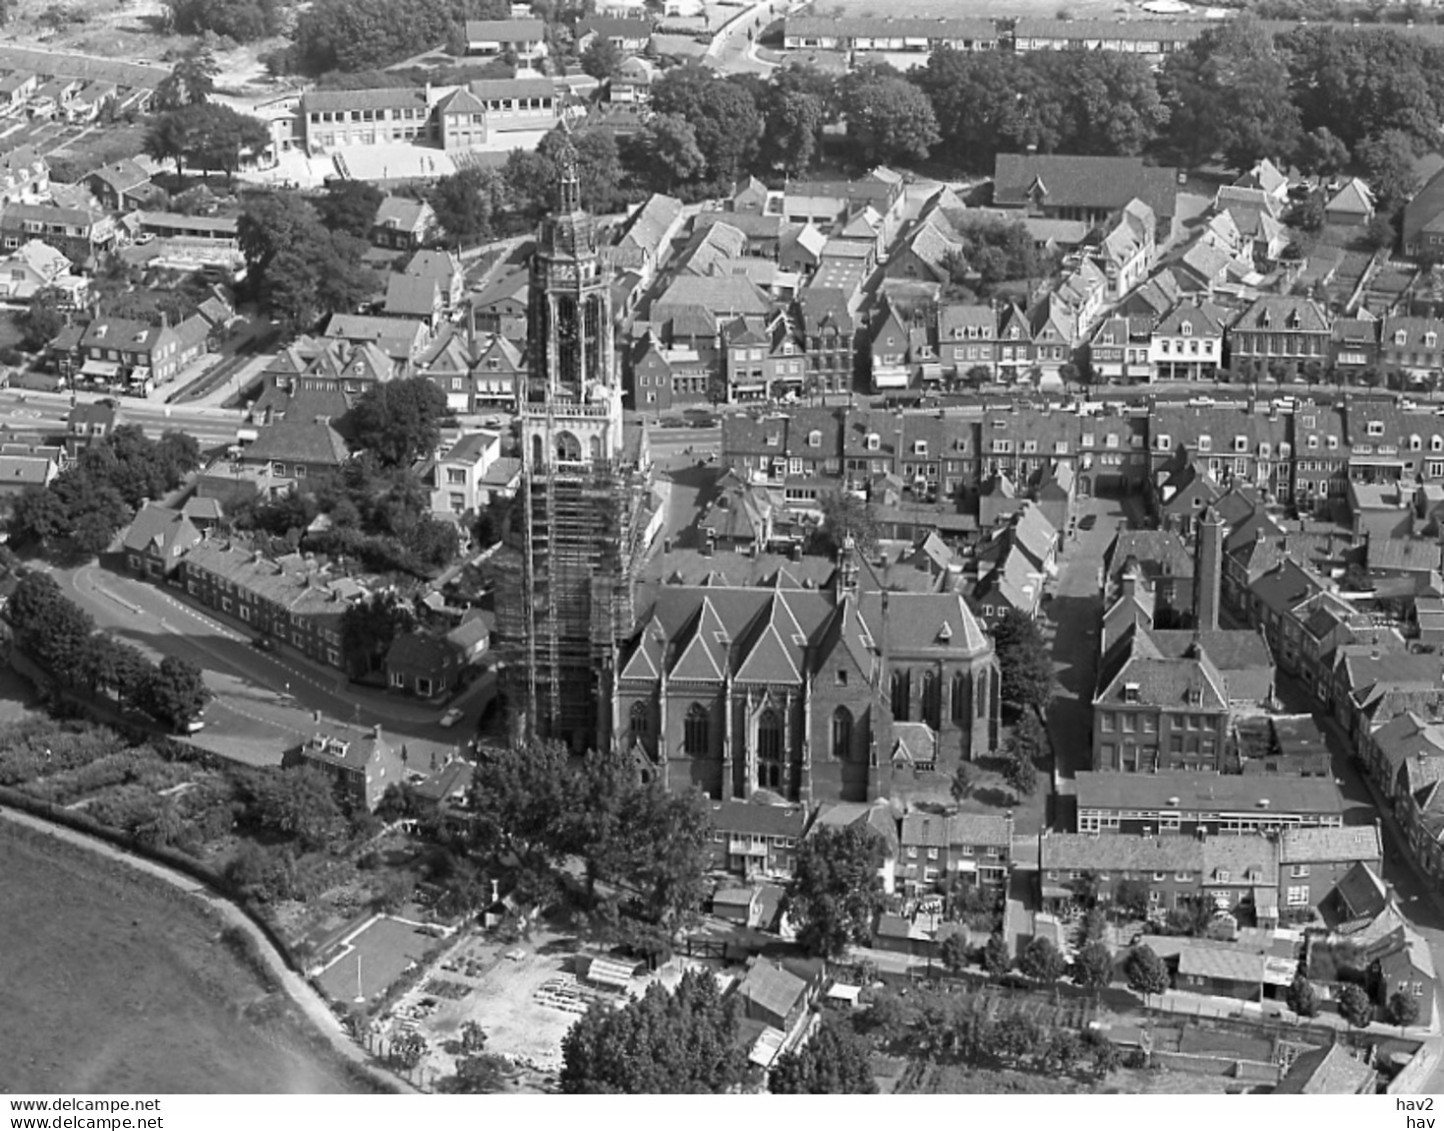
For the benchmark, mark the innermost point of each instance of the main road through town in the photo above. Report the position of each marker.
(264, 701)
(26, 413)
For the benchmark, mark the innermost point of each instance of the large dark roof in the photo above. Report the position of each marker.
(1084, 182)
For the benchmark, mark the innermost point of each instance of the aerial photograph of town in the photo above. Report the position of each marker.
(721, 546)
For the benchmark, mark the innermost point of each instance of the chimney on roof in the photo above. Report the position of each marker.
(376, 732)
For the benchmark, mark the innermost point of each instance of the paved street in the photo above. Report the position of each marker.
(264, 701)
(1073, 617)
(26, 411)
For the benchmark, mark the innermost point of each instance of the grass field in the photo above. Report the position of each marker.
(386, 948)
(116, 983)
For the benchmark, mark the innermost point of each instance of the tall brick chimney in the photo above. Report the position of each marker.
(1208, 573)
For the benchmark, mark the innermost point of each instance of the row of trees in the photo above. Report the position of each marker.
(91, 500)
(205, 136)
(61, 637)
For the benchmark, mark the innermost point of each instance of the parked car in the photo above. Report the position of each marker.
(451, 717)
(264, 643)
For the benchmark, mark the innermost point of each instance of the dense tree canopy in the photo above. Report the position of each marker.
(683, 1042)
(399, 421)
(352, 35)
(888, 118)
(835, 892)
(1025, 665)
(242, 20)
(834, 1062)
(300, 270)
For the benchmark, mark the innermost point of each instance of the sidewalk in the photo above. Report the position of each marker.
(297, 988)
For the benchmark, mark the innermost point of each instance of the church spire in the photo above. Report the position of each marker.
(569, 188)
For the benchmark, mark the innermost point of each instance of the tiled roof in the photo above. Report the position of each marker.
(410, 295)
(1104, 183)
(1083, 852)
(298, 440)
(1208, 793)
(1330, 1071)
(1305, 846)
(1241, 859)
(505, 31)
(758, 818)
(1222, 963)
(318, 101)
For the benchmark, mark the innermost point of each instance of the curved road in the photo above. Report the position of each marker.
(264, 701)
(297, 988)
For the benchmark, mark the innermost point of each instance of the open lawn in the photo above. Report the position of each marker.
(385, 949)
(117, 983)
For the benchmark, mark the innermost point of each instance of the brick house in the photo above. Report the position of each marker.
(756, 841)
(423, 664)
(363, 765)
(1313, 861)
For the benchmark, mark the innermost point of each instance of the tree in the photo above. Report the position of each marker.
(834, 1062)
(350, 206)
(353, 35)
(995, 955)
(43, 318)
(49, 627)
(37, 516)
(1025, 667)
(1228, 92)
(1321, 153)
(846, 518)
(191, 81)
(1131, 898)
(398, 421)
(683, 1042)
(1093, 967)
(954, 952)
(167, 139)
(298, 802)
(466, 201)
(1019, 773)
(1093, 927)
(835, 892)
(1387, 161)
(670, 143)
(299, 269)
(1402, 1009)
(1301, 996)
(176, 693)
(407, 1051)
(666, 859)
(369, 626)
(962, 784)
(1355, 1006)
(888, 118)
(1145, 971)
(723, 114)
(791, 130)
(1042, 960)
(601, 58)
(1380, 233)
(242, 20)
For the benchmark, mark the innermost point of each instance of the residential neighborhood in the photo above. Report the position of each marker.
(901, 551)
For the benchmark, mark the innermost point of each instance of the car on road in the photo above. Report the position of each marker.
(264, 643)
(193, 726)
(451, 717)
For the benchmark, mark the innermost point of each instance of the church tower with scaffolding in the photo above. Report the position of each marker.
(581, 518)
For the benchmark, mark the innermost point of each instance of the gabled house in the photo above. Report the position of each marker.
(445, 269)
(364, 765)
(632, 84)
(403, 223)
(35, 266)
(156, 540)
(628, 35)
(122, 186)
(1352, 206)
(1187, 343)
(413, 297)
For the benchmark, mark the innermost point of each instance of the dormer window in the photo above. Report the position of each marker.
(1186, 329)
(1164, 442)
(1265, 449)
(1195, 696)
(1375, 428)
(920, 447)
(1431, 340)
(814, 439)
(1401, 337)
(945, 633)
(1294, 322)
(1205, 443)
(1313, 442)
(1436, 444)
(873, 441)
(1130, 692)
(1333, 443)
(1266, 320)
(1415, 443)
(774, 439)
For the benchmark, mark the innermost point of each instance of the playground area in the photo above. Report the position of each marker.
(374, 956)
